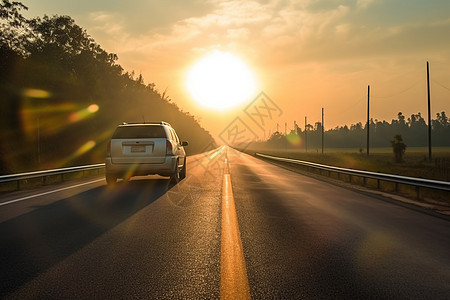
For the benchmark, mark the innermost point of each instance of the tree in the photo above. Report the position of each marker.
(442, 120)
(14, 30)
(14, 36)
(399, 147)
(55, 56)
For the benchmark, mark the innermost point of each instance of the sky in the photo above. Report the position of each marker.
(305, 55)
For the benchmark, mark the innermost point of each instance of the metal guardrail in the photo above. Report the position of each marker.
(412, 181)
(46, 173)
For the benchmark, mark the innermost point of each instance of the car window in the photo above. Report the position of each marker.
(175, 136)
(131, 132)
(170, 134)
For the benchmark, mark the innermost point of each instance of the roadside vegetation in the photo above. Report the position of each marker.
(398, 147)
(62, 95)
(415, 162)
(413, 130)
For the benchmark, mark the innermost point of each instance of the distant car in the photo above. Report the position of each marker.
(145, 149)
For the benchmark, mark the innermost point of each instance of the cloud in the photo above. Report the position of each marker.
(273, 32)
(234, 14)
(363, 4)
(108, 23)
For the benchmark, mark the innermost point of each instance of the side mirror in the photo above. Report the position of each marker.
(184, 143)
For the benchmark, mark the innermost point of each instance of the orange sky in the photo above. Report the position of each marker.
(305, 54)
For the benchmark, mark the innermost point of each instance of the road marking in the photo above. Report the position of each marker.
(233, 273)
(50, 192)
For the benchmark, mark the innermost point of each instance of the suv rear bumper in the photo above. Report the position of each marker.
(167, 168)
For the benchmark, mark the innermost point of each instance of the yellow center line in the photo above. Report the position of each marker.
(233, 273)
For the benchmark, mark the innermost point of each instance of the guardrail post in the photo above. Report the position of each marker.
(18, 185)
(418, 192)
(378, 184)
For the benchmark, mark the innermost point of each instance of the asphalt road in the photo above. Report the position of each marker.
(297, 238)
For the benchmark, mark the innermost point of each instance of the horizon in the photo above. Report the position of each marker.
(305, 56)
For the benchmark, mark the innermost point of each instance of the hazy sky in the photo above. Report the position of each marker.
(305, 54)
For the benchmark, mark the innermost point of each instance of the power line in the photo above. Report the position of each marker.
(354, 105)
(397, 93)
(441, 85)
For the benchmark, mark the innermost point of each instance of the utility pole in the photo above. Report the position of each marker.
(323, 130)
(429, 112)
(368, 116)
(306, 135)
(285, 136)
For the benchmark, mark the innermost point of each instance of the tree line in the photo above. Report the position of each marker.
(413, 131)
(62, 95)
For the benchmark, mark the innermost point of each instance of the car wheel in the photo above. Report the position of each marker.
(183, 171)
(175, 177)
(111, 179)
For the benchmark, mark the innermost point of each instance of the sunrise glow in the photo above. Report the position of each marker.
(220, 81)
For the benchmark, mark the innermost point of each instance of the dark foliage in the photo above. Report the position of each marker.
(398, 147)
(62, 95)
(414, 132)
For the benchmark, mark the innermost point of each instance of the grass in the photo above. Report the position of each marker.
(415, 164)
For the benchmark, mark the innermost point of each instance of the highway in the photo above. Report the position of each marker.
(235, 227)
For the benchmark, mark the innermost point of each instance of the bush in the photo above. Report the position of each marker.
(399, 147)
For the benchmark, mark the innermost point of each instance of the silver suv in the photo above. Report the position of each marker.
(145, 149)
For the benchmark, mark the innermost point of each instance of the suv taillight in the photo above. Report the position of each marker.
(108, 149)
(169, 147)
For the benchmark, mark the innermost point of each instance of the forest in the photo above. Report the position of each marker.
(62, 95)
(413, 130)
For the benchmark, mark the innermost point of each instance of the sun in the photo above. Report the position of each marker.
(220, 81)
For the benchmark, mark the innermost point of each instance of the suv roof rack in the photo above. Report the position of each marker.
(155, 123)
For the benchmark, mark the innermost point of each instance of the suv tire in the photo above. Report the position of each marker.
(176, 177)
(183, 171)
(111, 179)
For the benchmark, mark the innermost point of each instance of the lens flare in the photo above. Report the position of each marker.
(35, 93)
(294, 139)
(93, 108)
(84, 148)
(83, 113)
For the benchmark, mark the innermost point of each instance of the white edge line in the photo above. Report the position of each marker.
(50, 192)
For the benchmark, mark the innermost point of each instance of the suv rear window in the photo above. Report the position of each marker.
(146, 132)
